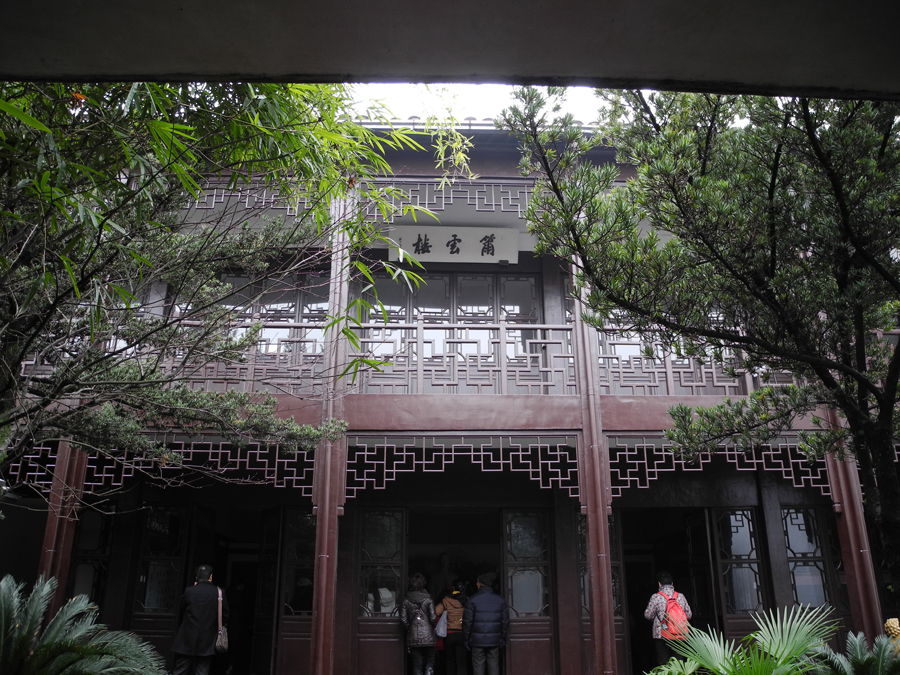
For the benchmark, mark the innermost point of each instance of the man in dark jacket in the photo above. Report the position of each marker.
(485, 625)
(195, 641)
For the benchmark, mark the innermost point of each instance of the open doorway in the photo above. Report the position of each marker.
(675, 540)
(459, 544)
(243, 536)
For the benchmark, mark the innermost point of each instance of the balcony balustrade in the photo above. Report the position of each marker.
(467, 358)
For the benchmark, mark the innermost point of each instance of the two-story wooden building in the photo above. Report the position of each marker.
(500, 433)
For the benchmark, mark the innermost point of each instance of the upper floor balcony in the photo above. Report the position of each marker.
(497, 358)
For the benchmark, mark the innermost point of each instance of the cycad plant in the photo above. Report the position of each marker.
(71, 643)
(783, 644)
(858, 659)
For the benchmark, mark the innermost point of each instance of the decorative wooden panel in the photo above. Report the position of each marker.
(373, 462)
(637, 461)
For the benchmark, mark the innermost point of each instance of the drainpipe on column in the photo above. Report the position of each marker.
(598, 504)
(862, 584)
(329, 476)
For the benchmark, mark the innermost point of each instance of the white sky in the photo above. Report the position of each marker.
(481, 101)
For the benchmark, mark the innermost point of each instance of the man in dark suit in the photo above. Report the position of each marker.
(195, 641)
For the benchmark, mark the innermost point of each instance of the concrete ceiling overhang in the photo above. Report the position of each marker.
(809, 47)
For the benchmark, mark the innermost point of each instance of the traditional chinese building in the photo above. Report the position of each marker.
(500, 433)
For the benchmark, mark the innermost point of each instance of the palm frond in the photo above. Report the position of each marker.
(857, 650)
(71, 644)
(711, 650)
(10, 599)
(885, 654)
(789, 633)
(829, 662)
(882, 659)
(76, 617)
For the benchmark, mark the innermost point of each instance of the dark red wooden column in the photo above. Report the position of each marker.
(862, 586)
(59, 533)
(330, 462)
(324, 596)
(596, 503)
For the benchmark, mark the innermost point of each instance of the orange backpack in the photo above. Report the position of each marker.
(675, 624)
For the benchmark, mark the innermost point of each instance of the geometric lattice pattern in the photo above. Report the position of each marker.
(784, 458)
(373, 462)
(636, 461)
(246, 197)
(507, 197)
(252, 465)
(468, 359)
(34, 468)
(276, 365)
(623, 369)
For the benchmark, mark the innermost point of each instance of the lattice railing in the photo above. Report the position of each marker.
(288, 359)
(625, 369)
(637, 461)
(499, 358)
(374, 462)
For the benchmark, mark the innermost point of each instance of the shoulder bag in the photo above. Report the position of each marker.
(222, 636)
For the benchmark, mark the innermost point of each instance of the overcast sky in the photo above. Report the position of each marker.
(481, 101)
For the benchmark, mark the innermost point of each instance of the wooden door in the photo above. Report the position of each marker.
(161, 575)
(740, 569)
(174, 540)
(702, 586)
(295, 603)
(380, 587)
(267, 606)
(527, 584)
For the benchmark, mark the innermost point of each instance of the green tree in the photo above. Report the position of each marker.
(763, 229)
(113, 291)
(32, 643)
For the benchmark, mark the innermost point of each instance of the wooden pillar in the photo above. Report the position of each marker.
(59, 533)
(330, 462)
(773, 533)
(324, 592)
(596, 503)
(862, 585)
(568, 600)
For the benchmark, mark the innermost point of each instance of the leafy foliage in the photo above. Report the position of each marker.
(764, 229)
(858, 659)
(783, 643)
(68, 643)
(113, 290)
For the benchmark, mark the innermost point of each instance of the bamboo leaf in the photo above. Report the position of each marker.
(22, 116)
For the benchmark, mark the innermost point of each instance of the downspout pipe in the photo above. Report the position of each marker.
(598, 504)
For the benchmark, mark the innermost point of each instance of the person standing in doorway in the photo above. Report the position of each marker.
(454, 644)
(418, 617)
(485, 626)
(658, 612)
(198, 625)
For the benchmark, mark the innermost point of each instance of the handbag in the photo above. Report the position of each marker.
(222, 636)
(441, 628)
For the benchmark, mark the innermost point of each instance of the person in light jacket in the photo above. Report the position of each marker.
(656, 612)
(454, 644)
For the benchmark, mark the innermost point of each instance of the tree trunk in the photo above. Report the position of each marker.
(884, 512)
